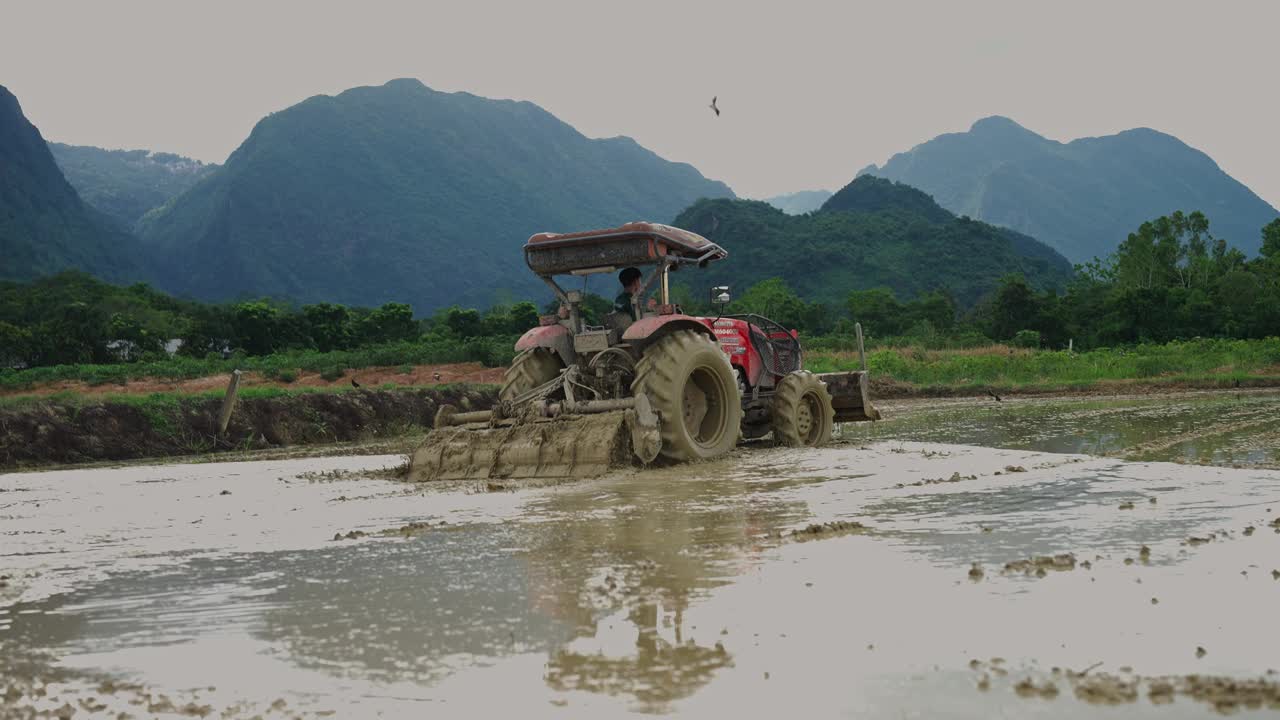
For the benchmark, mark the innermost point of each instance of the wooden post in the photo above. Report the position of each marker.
(228, 402)
(862, 352)
(1071, 346)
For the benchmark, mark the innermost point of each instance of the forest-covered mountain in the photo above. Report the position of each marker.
(799, 203)
(125, 184)
(400, 192)
(44, 225)
(872, 233)
(1084, 197)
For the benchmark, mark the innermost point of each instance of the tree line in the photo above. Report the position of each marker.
(1171, 279)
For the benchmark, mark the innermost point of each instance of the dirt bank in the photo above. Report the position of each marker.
(370, 377)
(57, 432)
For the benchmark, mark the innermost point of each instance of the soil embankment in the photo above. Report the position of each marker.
(370, 377)
(53, 432)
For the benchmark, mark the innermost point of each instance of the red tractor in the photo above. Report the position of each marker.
(581, 398)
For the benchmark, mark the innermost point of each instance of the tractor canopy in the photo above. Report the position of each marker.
(637, 243)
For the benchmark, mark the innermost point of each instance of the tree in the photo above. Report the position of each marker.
(328, 326)
(1271, 240)
(1014, 308)
(773, 299)
(255, 326)
(392, 322)
(878, 310)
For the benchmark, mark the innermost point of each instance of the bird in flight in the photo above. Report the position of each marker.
(713, 106)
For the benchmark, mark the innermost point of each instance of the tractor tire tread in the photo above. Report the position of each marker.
(790, 392)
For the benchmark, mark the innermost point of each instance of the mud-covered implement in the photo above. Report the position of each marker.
(580, 399)
(850, 396)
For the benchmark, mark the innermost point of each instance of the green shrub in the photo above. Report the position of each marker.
(287, 376)
(1026, 339)
(332, 373)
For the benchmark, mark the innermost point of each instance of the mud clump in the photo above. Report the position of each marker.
(1039, 565)
(1104, 689)
(955, 478)
(1224, 694)
(1014, 469)
(353, 535)
(1126, 506)
(1028, 689)
(828, 529)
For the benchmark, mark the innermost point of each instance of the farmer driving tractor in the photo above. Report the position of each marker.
(631, 284)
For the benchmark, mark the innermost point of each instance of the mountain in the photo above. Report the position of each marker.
(872, 233)
(799, 203)
(403, 193)
(1083, 197)
(125, 184)
(44, 225)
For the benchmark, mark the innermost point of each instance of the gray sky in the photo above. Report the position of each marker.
(810, 92)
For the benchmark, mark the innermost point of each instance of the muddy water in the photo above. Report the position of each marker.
(695, 590)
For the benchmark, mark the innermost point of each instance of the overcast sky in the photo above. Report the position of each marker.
(810, 92)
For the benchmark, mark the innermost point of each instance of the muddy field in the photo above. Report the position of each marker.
(1030, 558)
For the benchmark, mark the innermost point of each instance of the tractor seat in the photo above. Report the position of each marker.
(619, 321)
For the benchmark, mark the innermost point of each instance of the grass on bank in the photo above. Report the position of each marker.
(489, 351)
(1004, 366)
(957, 368)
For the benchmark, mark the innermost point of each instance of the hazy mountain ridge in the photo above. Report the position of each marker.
(1082, 197)
(400, 192)
(126, 184)
(44, 225)
(799, 203)
(871, 233)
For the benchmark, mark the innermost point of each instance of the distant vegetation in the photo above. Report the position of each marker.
(1173, 302)
(1187, 363)
(125, 184)
(1081, 197)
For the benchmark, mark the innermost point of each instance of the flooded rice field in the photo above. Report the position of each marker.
(1012, 559)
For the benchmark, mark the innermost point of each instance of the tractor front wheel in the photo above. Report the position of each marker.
(689, 382)
(802, 412)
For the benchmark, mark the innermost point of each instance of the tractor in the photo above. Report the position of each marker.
(665, 386)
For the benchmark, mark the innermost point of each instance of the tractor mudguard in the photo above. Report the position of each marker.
(653, 327)
(553, 337)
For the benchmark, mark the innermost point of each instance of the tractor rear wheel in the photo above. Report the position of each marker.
(691, 385)
(528, 370)
(802, 412)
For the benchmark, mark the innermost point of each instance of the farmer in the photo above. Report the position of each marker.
(630, 279)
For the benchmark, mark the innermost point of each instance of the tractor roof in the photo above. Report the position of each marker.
(637, 243)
